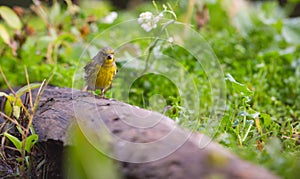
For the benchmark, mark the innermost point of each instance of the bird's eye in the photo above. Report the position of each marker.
(110, 57)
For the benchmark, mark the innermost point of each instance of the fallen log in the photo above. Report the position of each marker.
(145, 144)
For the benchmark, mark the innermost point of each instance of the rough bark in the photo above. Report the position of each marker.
(197, 157)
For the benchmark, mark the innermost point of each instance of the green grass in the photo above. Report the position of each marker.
(260, 121)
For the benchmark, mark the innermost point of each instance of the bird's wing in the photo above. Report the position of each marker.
(91, 72)
(98, 58)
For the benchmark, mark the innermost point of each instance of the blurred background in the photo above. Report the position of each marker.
(256, 44)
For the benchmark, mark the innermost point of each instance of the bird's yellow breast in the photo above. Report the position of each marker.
(105, 75)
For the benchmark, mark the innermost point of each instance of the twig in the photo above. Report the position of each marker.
(11, 89)
(188, 15)
(12, 120)
(38, 9)
(6, 82)
(3, 147)
(29, 89)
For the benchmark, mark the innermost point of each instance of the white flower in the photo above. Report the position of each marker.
(148, 21)
(273, 98)
(170, 40)
(145, 16)
(110, 18)
(148, 27)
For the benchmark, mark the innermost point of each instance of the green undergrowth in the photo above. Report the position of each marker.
(258, 51)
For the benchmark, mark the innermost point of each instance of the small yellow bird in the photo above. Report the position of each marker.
(100, 71)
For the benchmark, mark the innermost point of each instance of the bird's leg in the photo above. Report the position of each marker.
(102, 93)
(85, 88)
(104, 90)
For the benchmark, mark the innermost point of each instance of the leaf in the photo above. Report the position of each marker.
(239, 87)
(54, 11)
(16, 111)
(13, 104)
(30, 141)
(4, 34)
(266, 119)
(98, 165)
(258, 126)
(32, 129)
(8, 108)
(26, 88)
(3, 94)
(26, 158)
(291, 30)
(10, 17)
(17, 143)
(19, 129)
(253, 115)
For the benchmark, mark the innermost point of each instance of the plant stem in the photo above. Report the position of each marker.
(247, 132)
(153, 44)
(6, 82)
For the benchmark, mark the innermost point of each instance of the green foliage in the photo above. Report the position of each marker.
(264, 54)
(17, 131)
(29, 141)
(238, 87)
(54, 39)
(13, 103)
(4, 34)
(258, 48)
(291, 30)
(10, 17)
(152, 84)
(86, 161)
